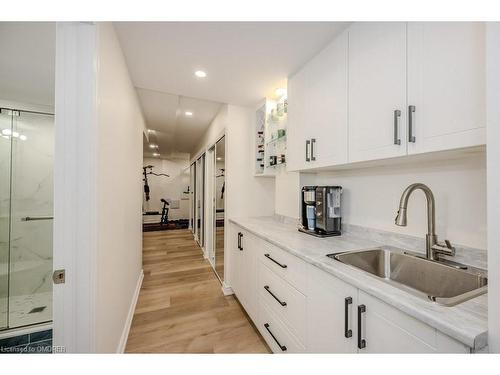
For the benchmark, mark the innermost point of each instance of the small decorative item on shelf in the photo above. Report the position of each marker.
(272, 160)
(285, 106)
(281, 133)
(282, 159)
(280, 109)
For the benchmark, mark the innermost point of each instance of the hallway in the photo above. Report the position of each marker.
(181, 308)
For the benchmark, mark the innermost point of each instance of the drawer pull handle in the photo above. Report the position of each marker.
(278, 263)
(282, 347)
(411, 124)
(266, 287)
(347, 330)
(240, 236)
(397, 115)
(361, 340)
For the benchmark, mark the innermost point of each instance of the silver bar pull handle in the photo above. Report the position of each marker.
(308, 143)
(411, 111)
(397, 115)
(35, 218)
(313, 141)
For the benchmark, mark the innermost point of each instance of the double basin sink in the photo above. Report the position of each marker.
(445, 284)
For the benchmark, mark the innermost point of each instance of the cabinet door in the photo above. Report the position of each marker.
(377, 90)
(234, 258)
(296, 122)
(388, 330)
(327, 299)
(247, 273)
(326, 110)
(446, 84)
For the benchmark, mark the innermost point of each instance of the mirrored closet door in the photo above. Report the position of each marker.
(219, 200)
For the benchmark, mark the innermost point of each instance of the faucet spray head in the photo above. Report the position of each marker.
(401, 217)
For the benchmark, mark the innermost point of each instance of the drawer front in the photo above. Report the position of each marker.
(276, 334)
(285, 301)
(284, 264)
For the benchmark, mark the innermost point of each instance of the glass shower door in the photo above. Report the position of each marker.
(26, 205)
(5, 150)
(30, 286)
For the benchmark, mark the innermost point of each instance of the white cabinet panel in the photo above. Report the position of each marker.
(276, 334)
(234, 258)
(317, 97)
(377, 88)
(446, 84)
(287, 302)
(327, 298)
(327, 104)
(243, 268)
(388, 330)
(282, 263)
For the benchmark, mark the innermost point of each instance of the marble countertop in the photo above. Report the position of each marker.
(466, 322)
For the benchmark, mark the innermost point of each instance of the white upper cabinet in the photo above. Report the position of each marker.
(377, 90)
(446, 85)
(317, 131)
(327, 104)
(388, 89)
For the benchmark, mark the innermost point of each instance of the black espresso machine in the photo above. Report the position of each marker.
(321, 211)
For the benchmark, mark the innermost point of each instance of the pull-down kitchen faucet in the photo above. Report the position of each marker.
(432, 246)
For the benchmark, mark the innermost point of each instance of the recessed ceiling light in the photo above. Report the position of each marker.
(156, 154)
(150, 131)
(219, 158)
(152, 146)
(280, 92)
(6, 132)
(200, 74)
(188, 113)
(22, 137)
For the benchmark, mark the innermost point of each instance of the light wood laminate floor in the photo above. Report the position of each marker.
(181, 308)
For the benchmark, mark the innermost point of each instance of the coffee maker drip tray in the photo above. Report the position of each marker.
(319, 234)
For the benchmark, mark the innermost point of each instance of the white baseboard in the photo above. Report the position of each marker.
(226, 289)
(130, 316)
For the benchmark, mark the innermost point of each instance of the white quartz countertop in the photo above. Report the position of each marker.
(466, 322)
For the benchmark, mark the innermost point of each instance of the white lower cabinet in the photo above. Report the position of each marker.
(376, 327)
(242, 267)
(275, 332)
(385, 329)
(298, 307)
(331, 319)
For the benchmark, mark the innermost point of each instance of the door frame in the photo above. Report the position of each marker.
(75, 186)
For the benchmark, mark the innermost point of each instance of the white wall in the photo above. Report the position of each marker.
(287, 193)
(213, 133)
(172, 187)
(247, 195)
(119, 192)
(493, 147)
(371, 197)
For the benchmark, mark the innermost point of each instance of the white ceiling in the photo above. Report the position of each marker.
(243, 60)
(173, 131)
(27, 62)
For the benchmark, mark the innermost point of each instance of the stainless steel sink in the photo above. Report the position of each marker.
(429, 279)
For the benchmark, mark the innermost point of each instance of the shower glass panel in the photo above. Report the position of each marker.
(30, 218)
(5, 150)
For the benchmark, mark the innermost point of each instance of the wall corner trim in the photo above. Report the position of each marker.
(128, 323)
(226, 289)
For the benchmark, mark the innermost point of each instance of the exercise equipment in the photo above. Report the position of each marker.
(148, 170)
